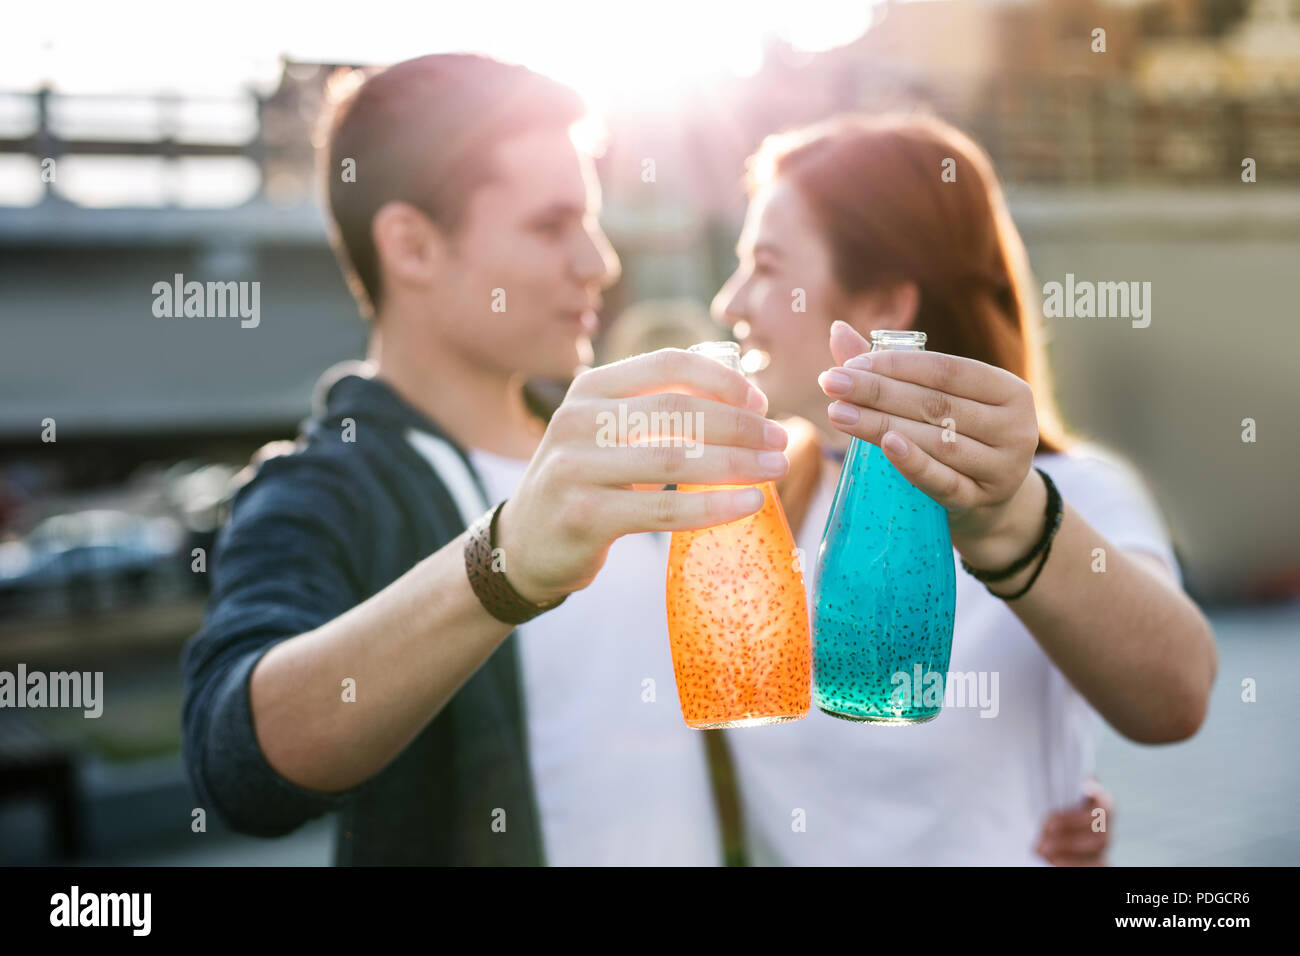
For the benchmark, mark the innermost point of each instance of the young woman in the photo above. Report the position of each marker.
(898, 223)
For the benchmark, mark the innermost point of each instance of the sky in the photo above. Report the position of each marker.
(626, 50)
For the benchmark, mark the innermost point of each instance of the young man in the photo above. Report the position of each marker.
(356, 656)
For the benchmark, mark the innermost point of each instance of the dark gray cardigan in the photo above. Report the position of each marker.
(311, 535)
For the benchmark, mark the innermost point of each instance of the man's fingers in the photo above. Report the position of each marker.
(681, 464)
(1095, 795)
(1069, 821)
(1073, 845)
(669, 370)
(665, 418)
(1075, 859)
(1069, 840)
(631, 512)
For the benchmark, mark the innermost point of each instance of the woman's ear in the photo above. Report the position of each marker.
(905, 300)
(892, 307)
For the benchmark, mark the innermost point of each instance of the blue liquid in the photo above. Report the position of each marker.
(884, 594)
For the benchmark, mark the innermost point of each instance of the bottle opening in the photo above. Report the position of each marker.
(897, 339)
(728, 353)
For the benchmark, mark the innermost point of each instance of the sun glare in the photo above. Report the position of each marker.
(642, 57)
(612, 53)
(633, 58)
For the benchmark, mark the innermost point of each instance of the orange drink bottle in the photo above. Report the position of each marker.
(738, 618)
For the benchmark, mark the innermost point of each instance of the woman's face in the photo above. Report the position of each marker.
(781, 301)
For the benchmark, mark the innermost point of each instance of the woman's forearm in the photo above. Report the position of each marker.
(1127, 637)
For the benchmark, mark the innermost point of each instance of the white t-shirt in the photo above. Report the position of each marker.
(619, 777)
(961, 789)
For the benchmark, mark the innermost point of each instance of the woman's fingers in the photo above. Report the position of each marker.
(949, 487)
(896, 397)
(966, 430)
(847, 342)
(953, 374)
(960, 453)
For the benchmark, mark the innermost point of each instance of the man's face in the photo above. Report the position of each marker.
(782, 299)
(523, 280)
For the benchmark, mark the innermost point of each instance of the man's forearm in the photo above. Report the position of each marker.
(408, 649)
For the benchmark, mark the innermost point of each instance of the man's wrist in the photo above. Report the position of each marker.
(486, 566)
(522, 584)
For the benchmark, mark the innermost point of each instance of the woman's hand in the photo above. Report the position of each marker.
(962, 431)
(1068, 837)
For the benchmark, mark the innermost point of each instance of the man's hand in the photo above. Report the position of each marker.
(578, 494)
(1068, 838)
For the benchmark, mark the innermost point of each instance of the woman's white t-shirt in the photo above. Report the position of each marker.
(964, 788)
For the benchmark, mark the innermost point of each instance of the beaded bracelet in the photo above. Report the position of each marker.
(1052, 513)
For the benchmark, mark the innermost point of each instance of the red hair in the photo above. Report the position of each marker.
(909, 198)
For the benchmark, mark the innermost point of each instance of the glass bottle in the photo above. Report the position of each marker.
(884, 590)
(738, 612)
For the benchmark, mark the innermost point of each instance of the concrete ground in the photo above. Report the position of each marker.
(1229, 796)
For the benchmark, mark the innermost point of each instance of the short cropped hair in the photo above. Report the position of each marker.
(423, 131)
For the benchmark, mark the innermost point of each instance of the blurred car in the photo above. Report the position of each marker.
(88, 560)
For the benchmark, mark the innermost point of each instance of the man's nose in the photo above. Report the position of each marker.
(597, 262)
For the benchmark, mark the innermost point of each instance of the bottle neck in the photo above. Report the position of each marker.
(903, 340)
(725, 353)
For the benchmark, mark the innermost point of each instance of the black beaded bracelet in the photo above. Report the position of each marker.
(1028, 584)
(1052, 513)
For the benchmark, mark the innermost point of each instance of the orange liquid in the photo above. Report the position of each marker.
(738, 620)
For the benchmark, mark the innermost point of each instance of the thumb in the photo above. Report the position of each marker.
(846, 342)
(1095, 795)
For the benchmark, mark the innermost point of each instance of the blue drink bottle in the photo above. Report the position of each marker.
(884, 590)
